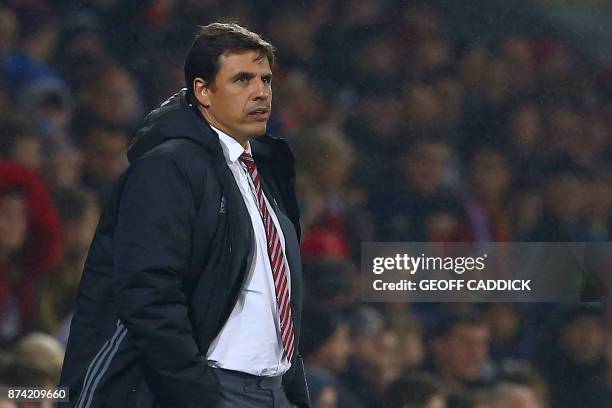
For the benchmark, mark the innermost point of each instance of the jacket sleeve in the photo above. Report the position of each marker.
(152, 243)
(296, 388)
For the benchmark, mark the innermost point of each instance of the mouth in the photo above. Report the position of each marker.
(260, 114)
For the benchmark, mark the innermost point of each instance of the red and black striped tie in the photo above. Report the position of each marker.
(277, 259)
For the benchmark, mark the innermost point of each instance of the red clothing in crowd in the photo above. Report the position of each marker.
(42, 249)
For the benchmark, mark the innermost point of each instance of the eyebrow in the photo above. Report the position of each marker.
(250, 75)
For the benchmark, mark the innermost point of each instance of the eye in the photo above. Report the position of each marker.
(242, 80)
(267, 80)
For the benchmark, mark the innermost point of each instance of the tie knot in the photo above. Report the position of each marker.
(246, 157)
(248, 161)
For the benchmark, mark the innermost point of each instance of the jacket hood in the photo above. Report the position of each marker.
(178, 118)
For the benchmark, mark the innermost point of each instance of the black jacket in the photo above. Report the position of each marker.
(166, 266)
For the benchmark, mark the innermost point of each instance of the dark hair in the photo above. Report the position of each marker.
(328, 279)
(12, 129)
(216, 39)
(413, 390)
(318, 326)
(447, 323)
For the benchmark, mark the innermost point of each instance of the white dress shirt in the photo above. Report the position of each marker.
(250, 341)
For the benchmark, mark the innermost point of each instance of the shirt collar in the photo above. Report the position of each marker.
(231, 148)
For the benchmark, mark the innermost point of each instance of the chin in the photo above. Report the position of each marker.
(258, 130)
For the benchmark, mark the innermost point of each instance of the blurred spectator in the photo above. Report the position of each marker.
(48, 108)
(28, 64)
(424, 107)
(575, 354)
(109, 96)
(416, 391)
(331, 283)
(37, 361)
(30, 245)
(326, 341)
(522, 373)
(326, 156)
(79, 211)
(372, 366)
(104, 158)
(510, 337)
(411, 347)
(323, 388)
(526, 210)
(63, 169)
(325, 346)
(526, 129)
(600, 392)
(420, 207)
(459, 345)
(9, 31)
(19, 143)
(431, 54)
(563, 217)
(82, 47)
(304, 104)
(377, 142)
(486, 200)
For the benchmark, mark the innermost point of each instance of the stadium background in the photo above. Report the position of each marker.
(411, 121)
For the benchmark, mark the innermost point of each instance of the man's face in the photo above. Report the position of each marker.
(105, 155)
(13, 223)
(239, 99)
(426, 165)
(584, 339)
(338, 349)
(116, 98)
(462, 353)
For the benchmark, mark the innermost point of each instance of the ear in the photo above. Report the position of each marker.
(201, 90)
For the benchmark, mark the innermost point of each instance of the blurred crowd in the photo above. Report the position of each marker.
(401, 131)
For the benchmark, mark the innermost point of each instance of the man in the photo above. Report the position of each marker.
(104, 158)
(372, 366)
(191, 292)
(460, 350)
(325, 345)
(416, 390)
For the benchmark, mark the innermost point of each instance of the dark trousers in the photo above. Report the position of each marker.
(241, 390)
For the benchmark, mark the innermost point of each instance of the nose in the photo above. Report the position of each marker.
(262, 90)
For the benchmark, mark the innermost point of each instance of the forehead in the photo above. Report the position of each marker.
(243, 61)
